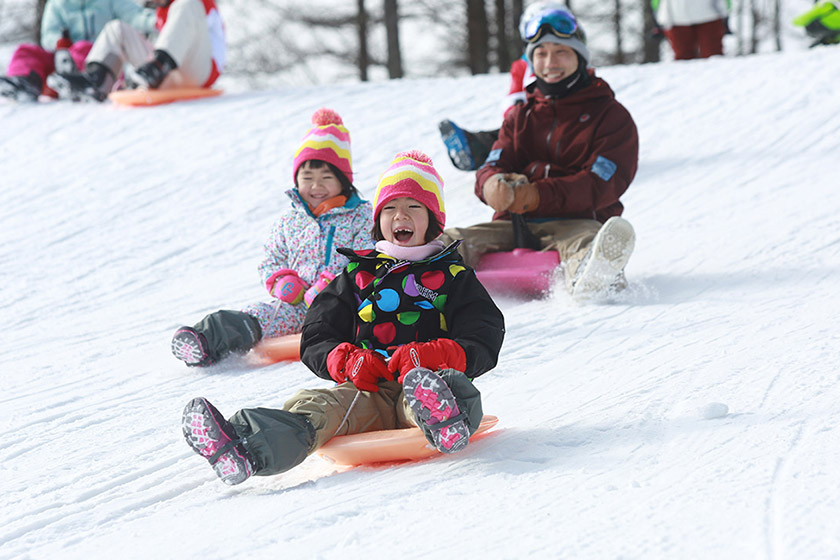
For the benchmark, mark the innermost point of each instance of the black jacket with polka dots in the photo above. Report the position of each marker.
(379, 302)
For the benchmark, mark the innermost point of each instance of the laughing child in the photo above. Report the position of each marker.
(403, 331)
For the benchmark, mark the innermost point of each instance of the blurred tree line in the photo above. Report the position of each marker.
(363, 39)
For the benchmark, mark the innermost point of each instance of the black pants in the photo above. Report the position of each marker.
(229, 331)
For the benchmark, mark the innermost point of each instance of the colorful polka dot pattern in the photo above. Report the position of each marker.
(401, 302)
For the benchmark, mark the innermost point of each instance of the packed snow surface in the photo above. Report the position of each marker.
(694, 416)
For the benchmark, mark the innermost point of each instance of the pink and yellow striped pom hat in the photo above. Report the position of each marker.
(328, 141)
(411, 174)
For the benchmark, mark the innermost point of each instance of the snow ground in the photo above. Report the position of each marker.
(118, 226)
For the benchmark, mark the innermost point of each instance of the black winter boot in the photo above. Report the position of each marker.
(151, 74)
(93, 84)
(21, 88)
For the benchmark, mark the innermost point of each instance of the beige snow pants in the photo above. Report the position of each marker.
(570, 238)
(333, 413)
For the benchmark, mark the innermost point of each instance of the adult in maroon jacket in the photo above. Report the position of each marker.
(563, 159)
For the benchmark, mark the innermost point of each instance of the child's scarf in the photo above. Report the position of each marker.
(417, 253)
(329, 204)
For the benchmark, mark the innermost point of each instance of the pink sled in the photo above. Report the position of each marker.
(518, 273)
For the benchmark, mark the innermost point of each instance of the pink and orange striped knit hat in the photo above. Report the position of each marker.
(328, 141)
(411, 174)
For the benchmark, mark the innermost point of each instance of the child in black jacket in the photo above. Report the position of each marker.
(402, 331)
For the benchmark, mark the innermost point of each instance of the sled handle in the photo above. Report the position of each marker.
(522, 235)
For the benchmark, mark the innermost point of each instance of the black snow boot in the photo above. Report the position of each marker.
(93, 84)
(151, 74)
(21, 88)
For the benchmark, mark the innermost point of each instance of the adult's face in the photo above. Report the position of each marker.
(553, 62)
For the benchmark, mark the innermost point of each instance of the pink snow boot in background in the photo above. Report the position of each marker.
(436, 410)
(214, 438)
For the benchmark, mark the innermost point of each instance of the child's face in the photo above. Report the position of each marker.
(317, 185)
(404, 221)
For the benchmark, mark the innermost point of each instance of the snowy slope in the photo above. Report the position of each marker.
(117, 226)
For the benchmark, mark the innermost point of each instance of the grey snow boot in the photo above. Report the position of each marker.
(190, 346)
(214, 438)
(220, 333)
(436, 409)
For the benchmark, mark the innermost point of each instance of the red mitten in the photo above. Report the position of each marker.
(364, 368)
(286, 285)
(438, 354)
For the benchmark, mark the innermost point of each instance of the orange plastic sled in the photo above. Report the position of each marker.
(382, 446)
(279, 349)
(148, 97)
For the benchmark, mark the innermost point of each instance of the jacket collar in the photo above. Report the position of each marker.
(449, 252)
(298, 204)
(597, 89)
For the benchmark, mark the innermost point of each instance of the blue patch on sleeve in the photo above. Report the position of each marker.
(604, 168)
(493, 156)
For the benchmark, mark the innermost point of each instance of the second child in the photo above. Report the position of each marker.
(326, 212)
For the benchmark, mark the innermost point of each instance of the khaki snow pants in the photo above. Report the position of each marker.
(333, 413)
(185, 38)
(278, 440)
(570, 238)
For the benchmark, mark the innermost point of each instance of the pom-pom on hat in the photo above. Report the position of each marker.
(328, 141)
(411, 174)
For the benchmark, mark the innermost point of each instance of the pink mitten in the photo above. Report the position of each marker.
(321, 283)
(287, 286)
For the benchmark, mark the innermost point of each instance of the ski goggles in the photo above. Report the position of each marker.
(558, 22)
